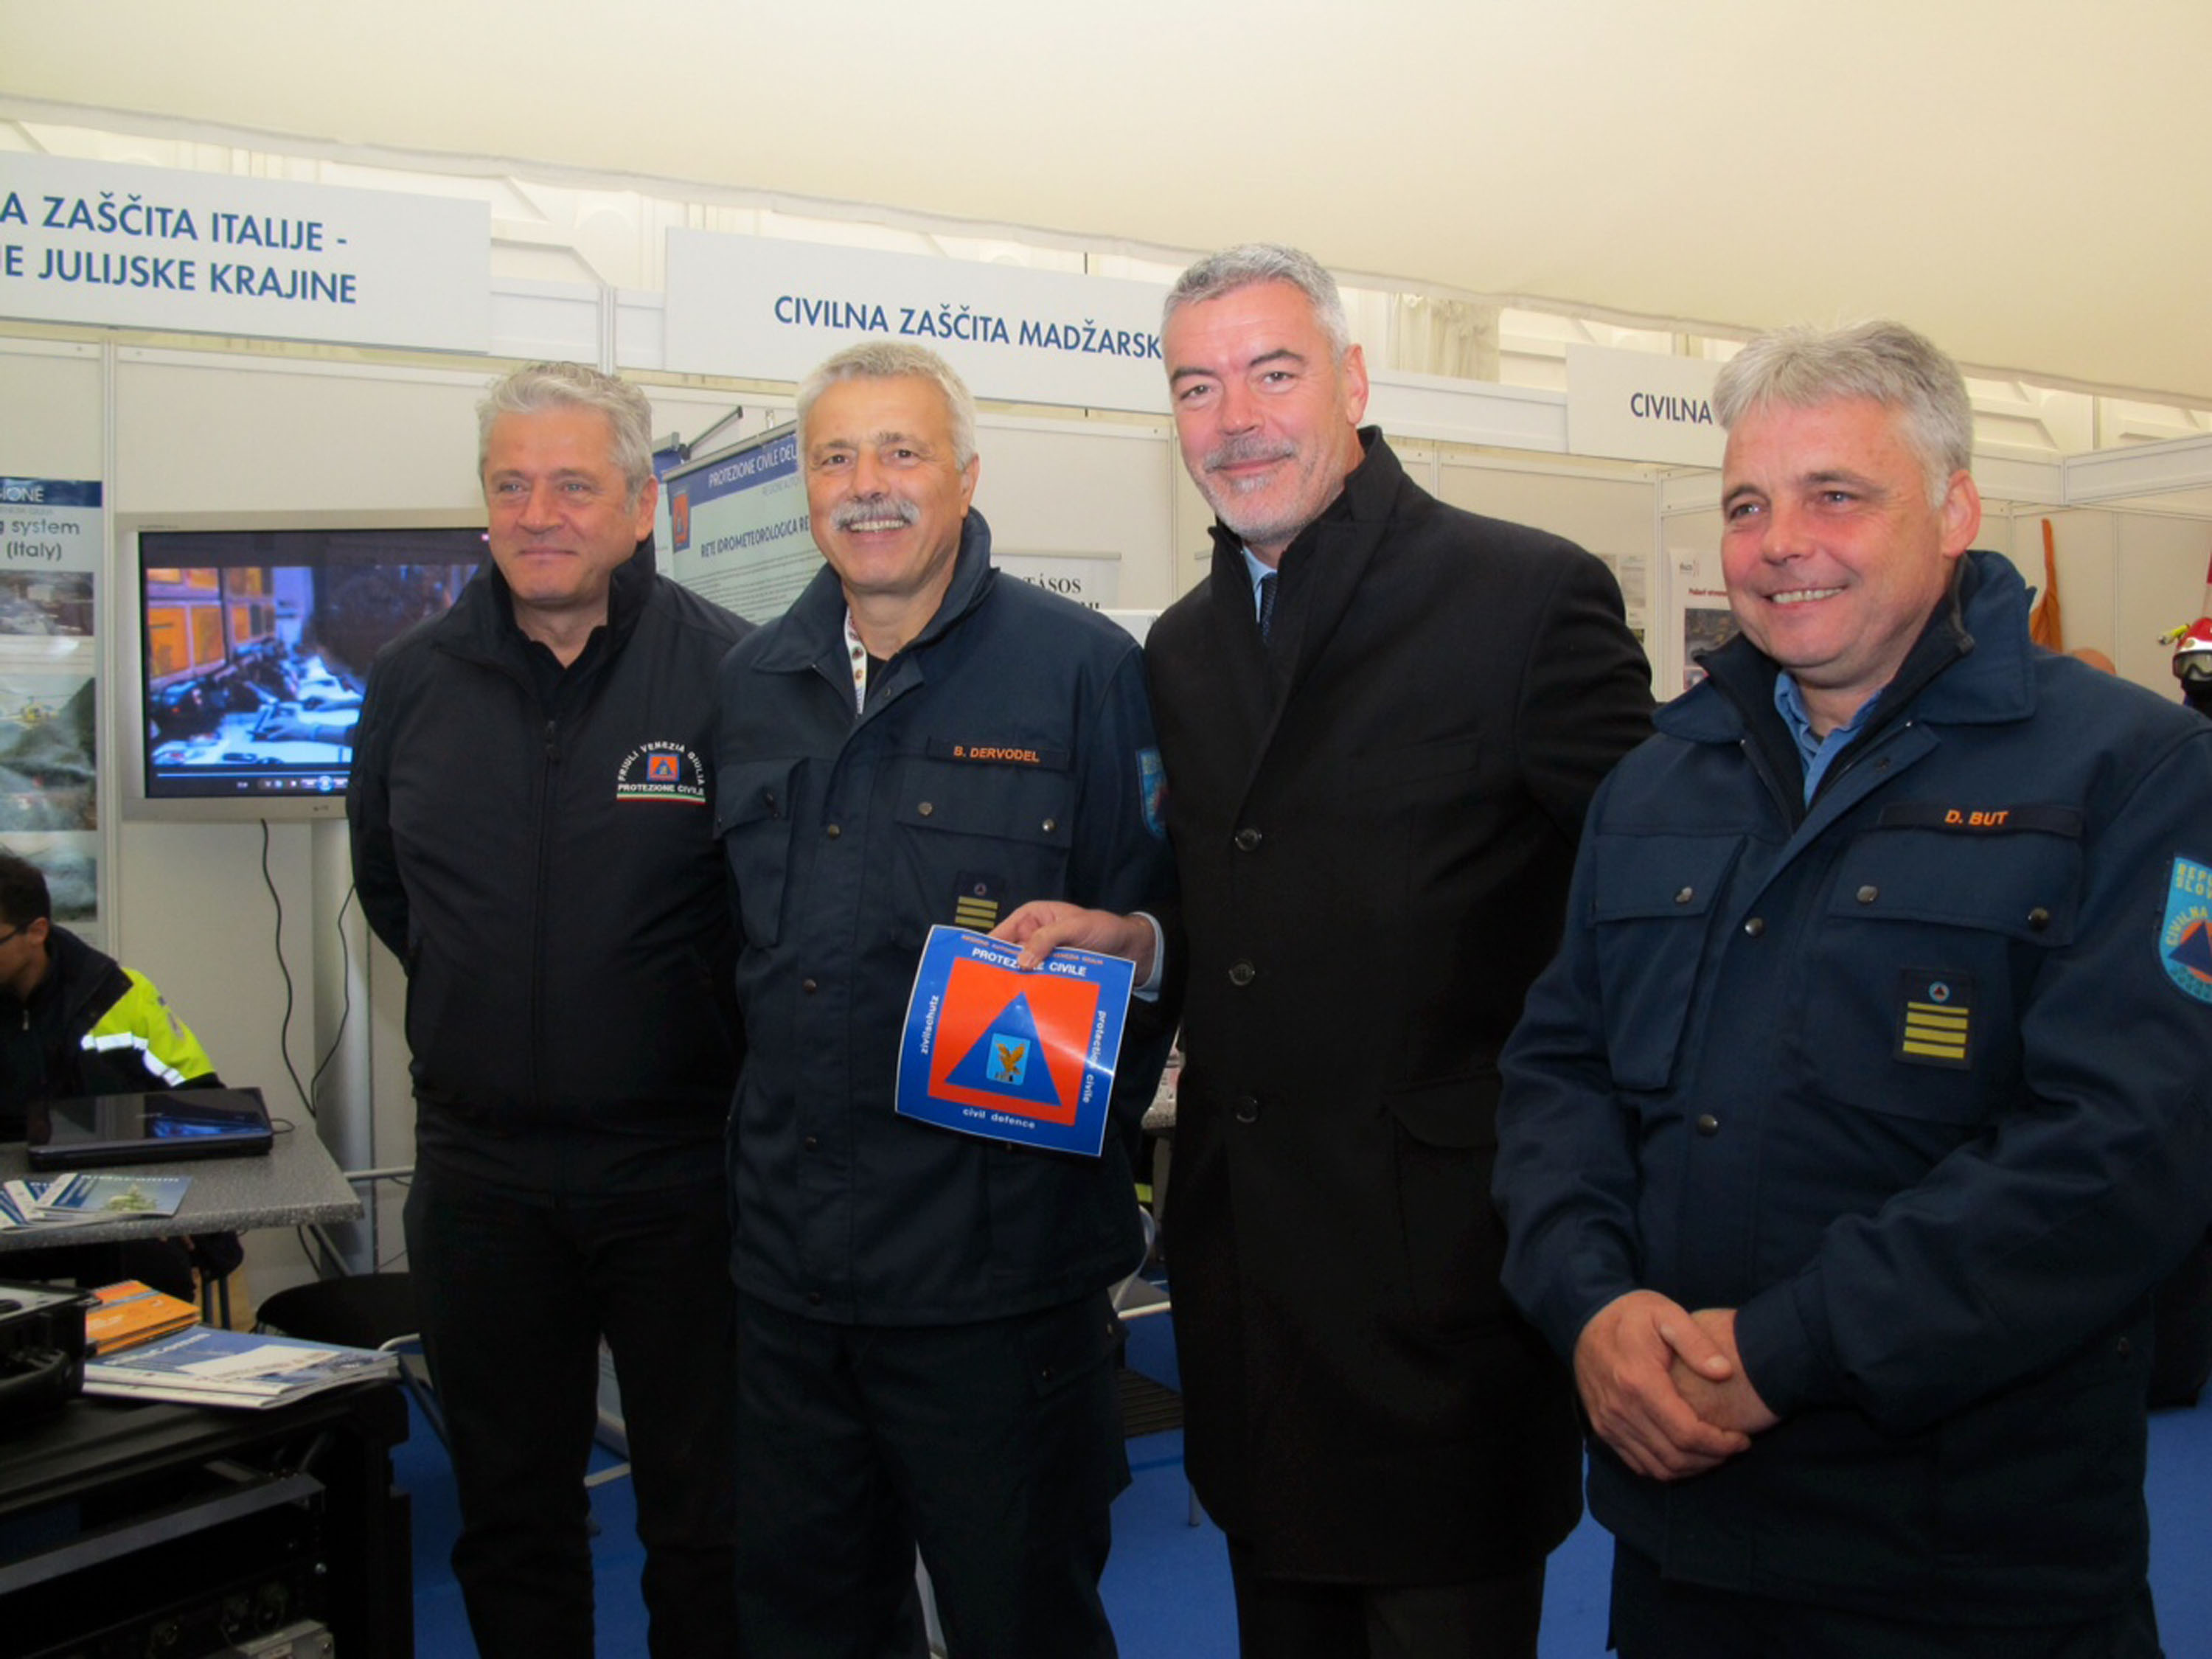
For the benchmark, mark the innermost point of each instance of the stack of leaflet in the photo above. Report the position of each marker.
(204, 1366)
(60, 1199)
(130, 1314)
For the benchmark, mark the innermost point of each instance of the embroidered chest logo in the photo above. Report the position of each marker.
(2184, 940)
(1935, 1018)
(661, 771)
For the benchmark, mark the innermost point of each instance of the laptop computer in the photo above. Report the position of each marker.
(160, 1126)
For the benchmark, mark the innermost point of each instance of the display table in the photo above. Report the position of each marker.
(152, 1529)
(296, 1184)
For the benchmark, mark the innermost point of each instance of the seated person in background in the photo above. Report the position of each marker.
(75, 1021)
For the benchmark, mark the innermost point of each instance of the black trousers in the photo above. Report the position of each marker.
(996, 1447)
(515, 1293)
(1301, 1618)
(1655, 1619)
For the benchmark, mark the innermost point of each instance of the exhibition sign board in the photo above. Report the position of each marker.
(1641, 406)
(120, 246)
(769, 310)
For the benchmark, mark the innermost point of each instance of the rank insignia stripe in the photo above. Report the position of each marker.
(978, 901)
(1935, 1018)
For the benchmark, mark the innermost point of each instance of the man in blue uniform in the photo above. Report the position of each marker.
(1865, 1102)
(925, 1343)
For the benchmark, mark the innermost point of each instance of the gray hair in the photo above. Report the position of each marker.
(1264, 262)
(896, 360)
(1883, 361)
(541, 386)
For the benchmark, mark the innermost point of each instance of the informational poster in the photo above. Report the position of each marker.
(1026, 1057)
(1706, 626)
(1633, 572)
(737, 526)
(50, 539)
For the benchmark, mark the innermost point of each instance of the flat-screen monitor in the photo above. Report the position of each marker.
(253, 638)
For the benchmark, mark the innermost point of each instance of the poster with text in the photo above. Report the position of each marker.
(51, 536)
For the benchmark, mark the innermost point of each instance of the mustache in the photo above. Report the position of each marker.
(1239, 452)
(866, 508)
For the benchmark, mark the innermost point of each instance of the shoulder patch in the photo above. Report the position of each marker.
(2185, 938)
(1152, 779)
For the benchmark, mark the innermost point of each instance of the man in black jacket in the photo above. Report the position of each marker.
(1376, 778)
(532, 816)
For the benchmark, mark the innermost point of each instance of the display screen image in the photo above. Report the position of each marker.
(256, 645)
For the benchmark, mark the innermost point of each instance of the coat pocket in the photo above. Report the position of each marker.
(1652, 904)
(753, 805)
(1443, 1147)
(1929, 942)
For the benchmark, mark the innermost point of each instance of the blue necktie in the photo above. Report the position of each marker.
(1266, 603)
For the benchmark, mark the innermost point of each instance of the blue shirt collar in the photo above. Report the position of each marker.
(1817, 753)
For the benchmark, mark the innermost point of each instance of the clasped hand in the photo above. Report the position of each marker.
(1664, 1387)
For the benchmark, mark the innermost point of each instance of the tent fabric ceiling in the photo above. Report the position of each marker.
(2014, 177)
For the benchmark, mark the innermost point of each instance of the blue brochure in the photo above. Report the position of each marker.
(1023, 1057)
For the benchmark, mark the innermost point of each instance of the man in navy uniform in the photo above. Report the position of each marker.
(1865, 1103)
(926, 1340)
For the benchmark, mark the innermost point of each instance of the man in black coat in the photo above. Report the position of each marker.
(1382, 719)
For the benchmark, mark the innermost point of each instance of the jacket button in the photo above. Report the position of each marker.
(814, 1298)
(1242, 973)
(1685, 895)
(812, 1143)
(1755, 928)
(809, 985)
(2125, 1347)
(1246, 1108)
(1708, 1125)
(1049, 825)
(2038, 918)
(833, 832)
(1869, 894)
(1246, 840)
(925, 809)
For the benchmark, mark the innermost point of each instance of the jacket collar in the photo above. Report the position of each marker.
(1971, 665)
(815, 624)
(1321, 570)
(485, 612)
(1369, 492)
(76, 976)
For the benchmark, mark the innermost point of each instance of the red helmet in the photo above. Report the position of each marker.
(2192, 652)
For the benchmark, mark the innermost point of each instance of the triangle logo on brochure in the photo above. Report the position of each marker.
(1013, 1042)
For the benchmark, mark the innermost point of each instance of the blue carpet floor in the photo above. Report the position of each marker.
(1167, 1586)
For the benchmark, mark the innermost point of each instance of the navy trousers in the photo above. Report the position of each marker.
(996, 1447)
